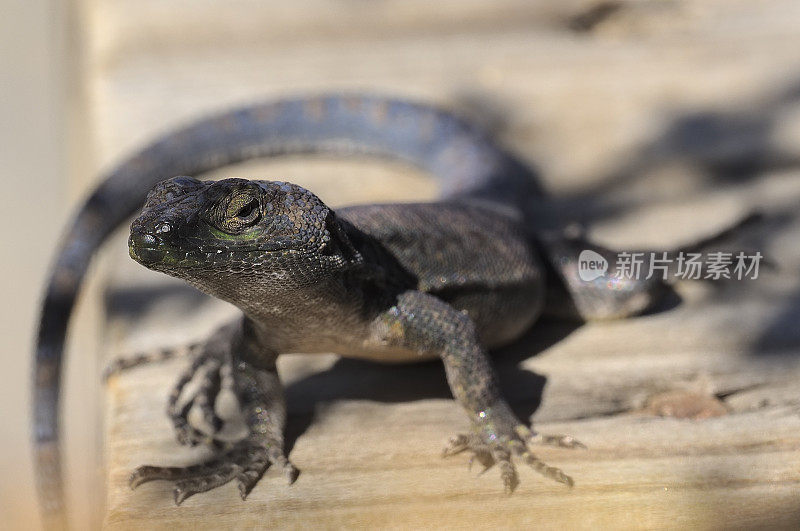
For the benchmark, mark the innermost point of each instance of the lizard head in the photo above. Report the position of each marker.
(223, 234)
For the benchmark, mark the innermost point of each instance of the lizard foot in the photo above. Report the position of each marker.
(490, 450)
(214, 375)
(246, 462)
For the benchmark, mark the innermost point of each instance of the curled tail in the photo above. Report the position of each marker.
(467, 164)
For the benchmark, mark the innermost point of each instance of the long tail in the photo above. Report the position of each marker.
(465, 161)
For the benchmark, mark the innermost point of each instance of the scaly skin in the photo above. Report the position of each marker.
(389, 283)
(376, 281)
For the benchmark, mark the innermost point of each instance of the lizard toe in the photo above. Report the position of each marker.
(501, 451)
(211, 372)
(469, 442)
(508, 472)
(561, 441)
(214, 478)
(522, 451)
(246, 463)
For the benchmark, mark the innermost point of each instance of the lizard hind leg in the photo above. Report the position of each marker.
(205, 367)
(210, 375)
(203, 397)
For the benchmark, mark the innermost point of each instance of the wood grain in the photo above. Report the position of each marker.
(608, 115)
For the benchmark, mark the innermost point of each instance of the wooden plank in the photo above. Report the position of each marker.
(603, 114)
(368, 441)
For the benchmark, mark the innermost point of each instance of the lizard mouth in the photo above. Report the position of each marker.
(148, 251)
(155, 254)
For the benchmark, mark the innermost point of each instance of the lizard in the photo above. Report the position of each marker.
(449, 279)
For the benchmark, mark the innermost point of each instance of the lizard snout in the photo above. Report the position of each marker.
(145, 247)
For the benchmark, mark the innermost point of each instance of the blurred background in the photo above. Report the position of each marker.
(654, 121)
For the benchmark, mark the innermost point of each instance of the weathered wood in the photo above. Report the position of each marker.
(631, 124)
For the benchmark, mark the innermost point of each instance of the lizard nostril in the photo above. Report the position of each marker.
(163, 228)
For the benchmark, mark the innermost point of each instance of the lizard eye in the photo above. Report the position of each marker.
(243, 211)
(248, 212)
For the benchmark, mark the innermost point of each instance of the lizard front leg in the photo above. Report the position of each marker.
(231, 358)
(426, 324)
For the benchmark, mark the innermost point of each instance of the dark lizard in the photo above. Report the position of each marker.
(397, 282)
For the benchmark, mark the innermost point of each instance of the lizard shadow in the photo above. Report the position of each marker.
(720, 148)
(351, 379)
(735, 147)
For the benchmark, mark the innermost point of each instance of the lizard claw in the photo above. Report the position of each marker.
(246, 463)
(464, 442)
(500, 450)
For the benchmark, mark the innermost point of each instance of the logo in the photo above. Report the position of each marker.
(591, 265)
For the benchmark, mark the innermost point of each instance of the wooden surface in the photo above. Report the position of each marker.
(662, 122)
